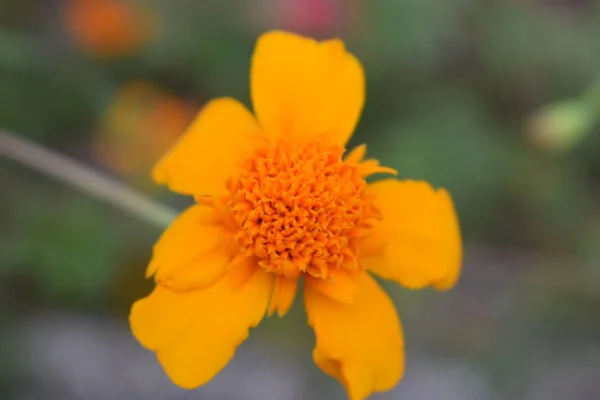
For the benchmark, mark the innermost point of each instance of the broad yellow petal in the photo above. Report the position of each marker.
(193, 252)
(284, 293)
(302, 88)
(195, 333)
(211, 149)
(417, 243)
(342, 285)
(360, 344)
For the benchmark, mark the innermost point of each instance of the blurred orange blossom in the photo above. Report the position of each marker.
(141, 122)
(109, 28)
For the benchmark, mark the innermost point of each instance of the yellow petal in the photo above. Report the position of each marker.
(193, 252)
(195, 333)
(302, 88)
(341, 286)
(284, 293)
(211, 149)
(417, 243)
(242, 268)
(370, 167)
(356, 155)
(360, 344)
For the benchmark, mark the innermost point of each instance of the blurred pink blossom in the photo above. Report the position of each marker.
(310, 15)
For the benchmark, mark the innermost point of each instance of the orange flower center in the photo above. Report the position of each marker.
(299, 208)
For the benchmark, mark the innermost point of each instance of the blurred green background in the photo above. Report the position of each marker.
(496, 100)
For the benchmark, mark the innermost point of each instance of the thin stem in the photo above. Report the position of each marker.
(84, 178)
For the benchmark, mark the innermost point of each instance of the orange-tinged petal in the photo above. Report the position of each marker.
(210, 151)
(330, 367)
(302, 88)
(193, 252)
(370, 167)
(284, 293)
(417, 243)
(341, 286)
(360, 344)
(242, 268)
(195, 333)
(356, 155)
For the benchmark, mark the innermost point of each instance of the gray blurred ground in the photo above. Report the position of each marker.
(78, 357)
(484, 340)
(71, 357)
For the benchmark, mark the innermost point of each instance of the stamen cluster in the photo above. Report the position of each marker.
(299, 208)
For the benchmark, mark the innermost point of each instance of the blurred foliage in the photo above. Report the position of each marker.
(6, 361)
(71, 252)
(453, 86)
(459, 148)
(560, 126)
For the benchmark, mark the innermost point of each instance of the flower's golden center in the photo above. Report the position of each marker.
(299, 208)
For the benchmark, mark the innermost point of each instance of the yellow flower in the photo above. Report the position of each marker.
(276, 202)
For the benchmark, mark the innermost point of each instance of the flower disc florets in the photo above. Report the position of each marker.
(300, 208)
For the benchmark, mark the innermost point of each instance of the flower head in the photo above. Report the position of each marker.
(278, 201)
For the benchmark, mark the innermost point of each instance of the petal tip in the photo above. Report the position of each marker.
(159, 174)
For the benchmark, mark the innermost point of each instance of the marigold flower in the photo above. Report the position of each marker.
(277, 202)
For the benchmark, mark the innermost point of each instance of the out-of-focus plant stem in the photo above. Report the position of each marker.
(592, 95)
(85, 179)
